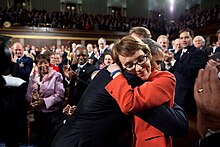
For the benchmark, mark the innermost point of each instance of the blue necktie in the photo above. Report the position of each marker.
(18, 60)
(78, 70)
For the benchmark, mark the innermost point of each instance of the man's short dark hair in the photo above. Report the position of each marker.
(141, 31)
(191, 33)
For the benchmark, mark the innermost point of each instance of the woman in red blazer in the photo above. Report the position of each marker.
(132, 55)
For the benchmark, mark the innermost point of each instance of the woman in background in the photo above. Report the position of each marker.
(45, 94)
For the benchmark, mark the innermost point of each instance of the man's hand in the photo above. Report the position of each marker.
(113, 67)
(206, 93)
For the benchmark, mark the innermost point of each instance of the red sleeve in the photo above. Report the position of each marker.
(159, 88)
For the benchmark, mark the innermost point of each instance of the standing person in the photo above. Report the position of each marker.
(45, 94)
(188, 62)
(199, 42)
(12, 91)
(102, 49)
(217, 49)
(140, 32)
(132, 55)
(176, 45)
(98, 120)
(80, 80)
(24, 65)
(91, 53)
(51, 55)
(156, 52)
(107, 60)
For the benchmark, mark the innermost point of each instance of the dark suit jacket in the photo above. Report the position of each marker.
(23, 68)
(10, 106)
(76, 90)
(97, 121)
(217, 49)
(185, 70)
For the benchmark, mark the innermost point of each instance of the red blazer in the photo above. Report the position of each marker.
(158, 89)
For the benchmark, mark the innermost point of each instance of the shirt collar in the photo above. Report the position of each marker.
(81, 66)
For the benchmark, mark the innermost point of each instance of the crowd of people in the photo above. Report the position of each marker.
(135, 92)
(70, 20)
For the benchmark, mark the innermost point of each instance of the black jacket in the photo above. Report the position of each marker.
(97, 121)
(185, 71)
(79, 84)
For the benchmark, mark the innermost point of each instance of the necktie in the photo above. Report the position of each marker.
(78, 70)
(17, 60)
(183, 52)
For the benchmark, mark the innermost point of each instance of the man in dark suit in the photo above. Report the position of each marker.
(91, 54)
(24, 63)
(80, 80)
(23, 68)
(102, 50)
(217, 49)
(188, 62)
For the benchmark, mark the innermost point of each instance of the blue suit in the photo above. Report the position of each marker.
(24, 68)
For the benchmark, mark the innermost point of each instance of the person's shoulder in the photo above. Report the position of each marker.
(157, 73)
(90, 66)
(54, 74)
(27, 57)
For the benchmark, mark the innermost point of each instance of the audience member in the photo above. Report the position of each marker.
(102, 49)
(81, 76)
(164, 43)
(45, 94)
(107, 60)
(51, 55)
(140, 32)
(217, 49)
(188, 62)
(156, 52)
(91, 53)
(177, 45)
(199, 42)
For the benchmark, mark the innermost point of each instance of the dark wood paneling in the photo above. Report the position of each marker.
(44, 36)
(40, 42)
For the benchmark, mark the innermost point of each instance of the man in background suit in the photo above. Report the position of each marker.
(188, 62)
(24, 63)
(218, 42)
(103, 48)
(80, 80)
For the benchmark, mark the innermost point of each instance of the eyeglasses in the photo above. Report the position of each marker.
(140, 61)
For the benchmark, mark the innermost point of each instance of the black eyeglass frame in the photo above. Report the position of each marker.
(140, 63)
